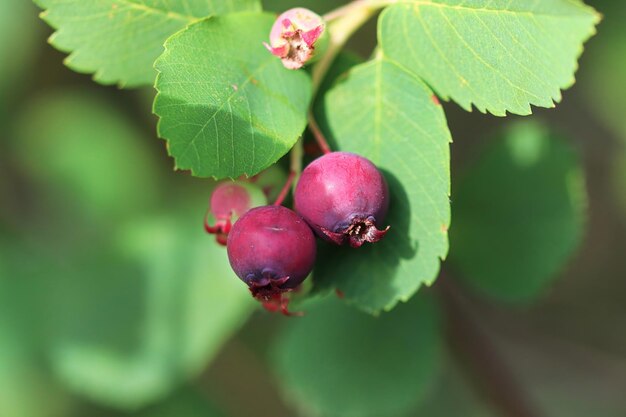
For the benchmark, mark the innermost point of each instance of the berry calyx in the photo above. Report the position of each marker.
(343, 197)
(229, 201)
(295, 36)
(272, 250)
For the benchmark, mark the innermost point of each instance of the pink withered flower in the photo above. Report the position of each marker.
(295, 36)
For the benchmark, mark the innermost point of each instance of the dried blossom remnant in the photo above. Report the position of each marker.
(295, 36)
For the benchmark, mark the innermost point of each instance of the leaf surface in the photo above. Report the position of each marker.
(519, 214)
(497, 55)
(132, 325)
(388, 115)
(118, 40)
(227, 106)
(339, 362)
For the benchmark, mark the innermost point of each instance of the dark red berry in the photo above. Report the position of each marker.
(343, 196)
(272, 250)
(229, 201)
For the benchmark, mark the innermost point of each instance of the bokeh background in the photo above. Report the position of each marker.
(113, 302)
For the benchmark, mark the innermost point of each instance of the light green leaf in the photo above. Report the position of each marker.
(132, 325)
(388, 115)
(518, 215)
(227, 106)
(339, 362)
(21, 379)
(85, 157)
(118, 40)
(497, 55)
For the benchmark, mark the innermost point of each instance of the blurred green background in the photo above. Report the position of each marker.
(113, 301)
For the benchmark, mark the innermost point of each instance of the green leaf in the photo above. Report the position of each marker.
(132, 324)
(118, 40)
(85, 157)
(499, 56)
(339, 362)
(21, 379)
(387, 114)
(185, 403)
(518, 214)
(227, 106)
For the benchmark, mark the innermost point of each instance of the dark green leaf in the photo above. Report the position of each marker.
(339, 362)
(184, 403)
(519, 214)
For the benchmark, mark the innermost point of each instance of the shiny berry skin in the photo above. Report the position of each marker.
(229, 201)
(343, 197)
(271, 249)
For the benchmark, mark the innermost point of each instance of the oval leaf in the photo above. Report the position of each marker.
(388, 115)
(118, 40)
(498, 55)
(339, 362)
(518, 215)
(227, 106)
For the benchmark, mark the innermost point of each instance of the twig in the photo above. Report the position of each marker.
(285, 189)
(318, 134)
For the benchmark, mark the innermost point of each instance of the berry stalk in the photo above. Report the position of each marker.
(285, 190)
(318, 134)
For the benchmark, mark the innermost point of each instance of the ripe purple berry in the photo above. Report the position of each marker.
(229, 201)
(272, 250)
(343, 196)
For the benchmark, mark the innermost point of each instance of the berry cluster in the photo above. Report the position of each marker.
(340, 196)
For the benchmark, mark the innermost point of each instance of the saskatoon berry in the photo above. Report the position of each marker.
(272, 250)
(343, 196)
(229, 201)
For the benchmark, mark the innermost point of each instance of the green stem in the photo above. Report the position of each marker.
(342, 23)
